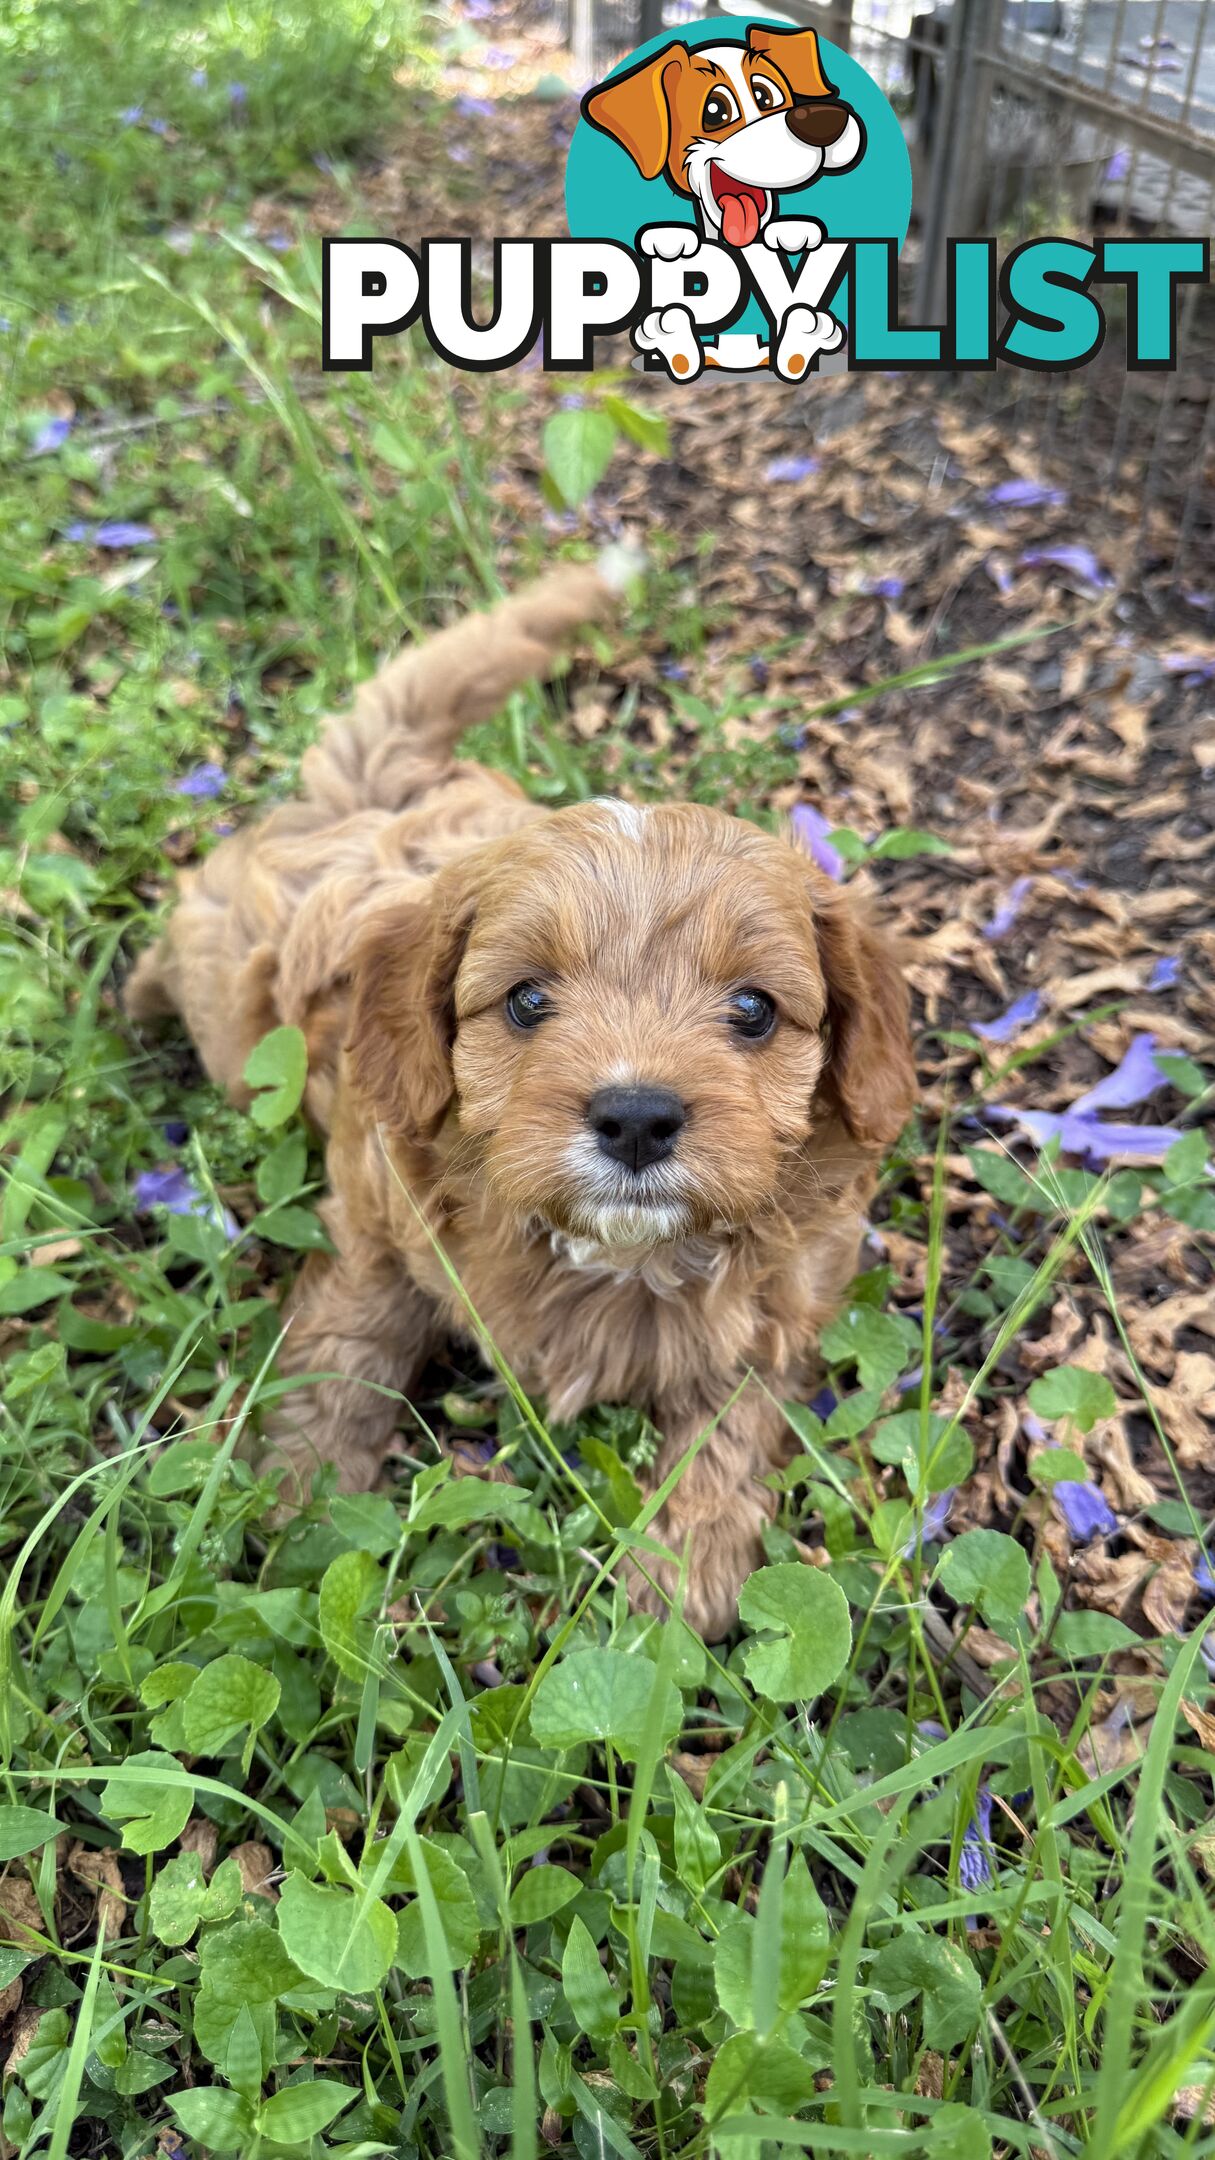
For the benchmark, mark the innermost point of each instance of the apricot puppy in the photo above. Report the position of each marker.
(632, 1068)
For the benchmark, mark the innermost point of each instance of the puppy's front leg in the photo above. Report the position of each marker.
(356, 1315)
(719, 1507)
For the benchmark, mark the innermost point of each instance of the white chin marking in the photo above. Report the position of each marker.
(619, 1224)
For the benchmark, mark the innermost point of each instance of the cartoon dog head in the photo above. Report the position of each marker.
(731, 125)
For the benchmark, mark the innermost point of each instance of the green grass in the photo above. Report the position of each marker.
(665, 1901)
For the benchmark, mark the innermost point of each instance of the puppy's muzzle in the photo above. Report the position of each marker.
(820, 123)
(636, 1126)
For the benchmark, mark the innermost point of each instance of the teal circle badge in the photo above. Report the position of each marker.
(759, 139)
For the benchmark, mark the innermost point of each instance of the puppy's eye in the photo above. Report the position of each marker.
(766, 96)
(720, 109)
(527, 1005)
(752, 1014)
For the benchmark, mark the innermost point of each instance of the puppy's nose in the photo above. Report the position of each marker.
(636, 1126)
(819, 124)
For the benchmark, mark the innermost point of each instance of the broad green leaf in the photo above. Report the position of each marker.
(222, 2121)
(990, 1571)
(181, 1897)
(351, 1586)
(810, 1613)
(281, 1173)
(747, 2070)
(804, 1950)
(588, 1991)
(1072, 1392)
(457, 1909)
(602, 1695)
(337, 1937)
(368, 1521)
(243, 1967)
(301, 2112)
(1058, 1466)
(697, 1847)
(461, 1501)
(948, 1454)
(874, 1340)
(32, 1287)
(541, 1892)
(152, 1812)
(927, 1965)
(243, 2059)
(959, 2133)
(578, 448)
(24, 1829)
(228, 1695)
(1092, 1634)
(295, 1227)
(645, 428)
(278, 1066)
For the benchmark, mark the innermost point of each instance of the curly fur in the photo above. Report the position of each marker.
(387, 913)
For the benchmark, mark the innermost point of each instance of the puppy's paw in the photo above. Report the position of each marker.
(805, 332)
(302, 1453)
(668, 242)
(792, 236)
(671, 333)
(724, 1551)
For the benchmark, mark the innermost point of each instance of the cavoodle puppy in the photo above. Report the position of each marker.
(628, 1071)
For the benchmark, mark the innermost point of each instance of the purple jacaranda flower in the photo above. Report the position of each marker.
(573, 401)
(812, 831)
(1093, 1141)
(882, 588)
(931, 1728)
(131, 115)
(1204, 1580)
(1026, 495)
(487, 1673)
(974, 1867)
(175, 1191)
(1068, 555)
(198, 76)
(51, 436)
(1020, 1014)
(1118, 167)
(504, 1557)
(119, 533)
(323, 163)
(237, 95)
(221, 828)
(790, 468)
(674, 670)
(1008, 909)
(471, 108)
(1197, 599)
(759, 673)
(207, 780)
(1132, 1081)
(176, 1132)
(1084, 1509)
(281, 242)
(1193, 668)
(158, 127)
(1165, 972)
(459, 153)
(999, 573)
(932, 1522)
(824, 1402)
(494, 57)
(78, 530)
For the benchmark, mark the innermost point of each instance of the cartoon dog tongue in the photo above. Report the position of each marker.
(740, 208)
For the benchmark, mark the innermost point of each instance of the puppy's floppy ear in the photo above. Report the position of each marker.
(870, 1069)
(635, 108)
(402, 1021)
(796, 54)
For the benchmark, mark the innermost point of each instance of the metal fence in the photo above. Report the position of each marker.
(1026, 117)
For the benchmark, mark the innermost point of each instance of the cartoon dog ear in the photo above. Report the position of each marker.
(402, 1019)
(796, 54)
(635, 108)
(870, 1070)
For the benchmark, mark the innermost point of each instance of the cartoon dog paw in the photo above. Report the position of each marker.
(805, 332)
(668, 242)
(792, 235)
(671, 333)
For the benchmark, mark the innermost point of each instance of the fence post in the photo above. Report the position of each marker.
(960, 149)
(839, 24)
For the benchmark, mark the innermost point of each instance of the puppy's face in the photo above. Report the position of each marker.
(639, 1015)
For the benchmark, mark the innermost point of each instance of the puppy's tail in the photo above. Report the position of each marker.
(407, 719)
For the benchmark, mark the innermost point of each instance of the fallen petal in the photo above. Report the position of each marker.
(205, 780)
(1026, 495)
(1020, 1014)
(791, 468)
(812, 831)
(1084, 1509)
(1081, 562)
(1008, 909)
(1137, 1077)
